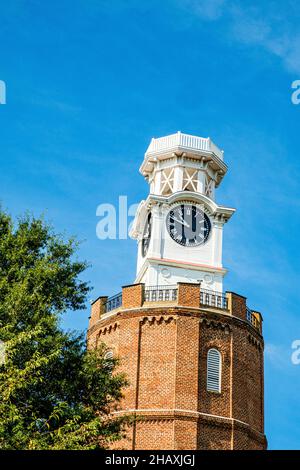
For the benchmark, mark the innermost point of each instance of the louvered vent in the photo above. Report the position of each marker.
(109, 355)
(214, 371)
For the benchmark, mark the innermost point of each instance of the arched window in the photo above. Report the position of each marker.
(109, 355)
(214, 370)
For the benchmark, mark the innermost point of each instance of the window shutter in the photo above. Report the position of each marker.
(214, 371)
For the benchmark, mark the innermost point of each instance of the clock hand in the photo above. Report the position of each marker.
(182, 222)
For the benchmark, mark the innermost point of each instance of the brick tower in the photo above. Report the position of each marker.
(193, 355)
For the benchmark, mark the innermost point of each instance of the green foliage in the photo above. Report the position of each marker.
(53, 393)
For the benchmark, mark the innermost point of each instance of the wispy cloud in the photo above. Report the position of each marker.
(278, 355)
(274, 28)
(209, 10)
(275, 34)
(56, 104)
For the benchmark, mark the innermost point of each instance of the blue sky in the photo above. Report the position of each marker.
(89, 82)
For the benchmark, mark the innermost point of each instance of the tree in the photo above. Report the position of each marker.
(54, 394)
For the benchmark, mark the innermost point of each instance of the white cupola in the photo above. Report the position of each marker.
(179, 226)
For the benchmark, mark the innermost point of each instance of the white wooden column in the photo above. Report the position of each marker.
(213, 187)
(157, 182)
(217, 243)
(155, 243)
(201, 181)
(178, 178)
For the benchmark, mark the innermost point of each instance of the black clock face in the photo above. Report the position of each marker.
(188, 225)
(146, 235)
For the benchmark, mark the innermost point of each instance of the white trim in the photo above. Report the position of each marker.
(179, 264)
(189, 196)
(184, 140)
(134, 410)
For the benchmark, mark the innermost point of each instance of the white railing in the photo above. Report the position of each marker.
(160, 293)
(184, 140)
(212, 298)
(253, 320)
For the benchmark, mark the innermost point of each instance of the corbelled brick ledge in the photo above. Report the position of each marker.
(183, 294)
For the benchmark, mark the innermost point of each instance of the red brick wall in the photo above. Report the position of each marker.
(237, 305)
(156, 381)
(187, 363)
(185, 434)
(212, 335)
(239, 374)
(154, 433)
(163, 351)
(214, 434)
(129, 357)
(189, 294)
(133, 296)
(247, 381)
(97, 309)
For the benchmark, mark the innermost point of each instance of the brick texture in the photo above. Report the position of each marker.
(133, 296)
(237, 305)
(189, 294)
(163, 351)
(97, 309)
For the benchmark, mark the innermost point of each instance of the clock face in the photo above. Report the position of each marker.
(188, 225)
(146, 235)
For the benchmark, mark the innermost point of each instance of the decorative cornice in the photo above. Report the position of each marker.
(255, 342)
(186, 265)
(211, 318)
(158, 320)
(216, 324)
(155, 415)
(108, 328)
(186, 197)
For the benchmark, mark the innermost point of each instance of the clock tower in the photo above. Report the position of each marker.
(179, 227)
(192, 353)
